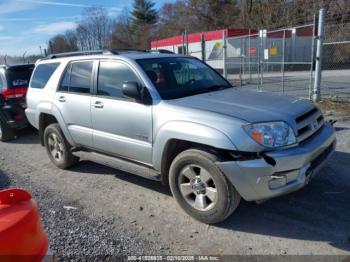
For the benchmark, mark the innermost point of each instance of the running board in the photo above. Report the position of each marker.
(120, 164)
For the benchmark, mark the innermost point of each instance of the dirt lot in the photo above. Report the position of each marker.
(114, 212)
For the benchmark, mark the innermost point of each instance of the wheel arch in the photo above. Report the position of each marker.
(47, 117)
(175, 137)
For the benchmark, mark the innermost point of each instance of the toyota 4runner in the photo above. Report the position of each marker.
(175, 119)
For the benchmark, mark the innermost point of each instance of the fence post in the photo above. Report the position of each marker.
(318, 71)
(250, 60)
(183, 44)
(224, 53)
(312, 56)
(187, 51)
(241, 66)
(283, 58)
(203, 47)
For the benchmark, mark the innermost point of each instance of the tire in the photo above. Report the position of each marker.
(6, 132)
(217, 197)
(58, 148)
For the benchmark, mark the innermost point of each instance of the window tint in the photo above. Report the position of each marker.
(176, 77)
(42, 75)
(77, 77)
(1, 83)
(80, 78)
(111, 77)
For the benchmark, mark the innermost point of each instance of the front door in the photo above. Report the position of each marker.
(121, 126)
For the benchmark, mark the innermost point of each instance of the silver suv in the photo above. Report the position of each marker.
(174, 119)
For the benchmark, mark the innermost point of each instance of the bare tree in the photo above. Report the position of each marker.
(63, 43)
(95, 29)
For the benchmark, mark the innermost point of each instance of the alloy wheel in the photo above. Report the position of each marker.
(197, 187)
(55, 147)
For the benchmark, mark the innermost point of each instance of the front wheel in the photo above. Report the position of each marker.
(58, 148)
(200, 188)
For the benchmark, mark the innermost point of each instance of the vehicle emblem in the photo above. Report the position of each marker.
(314, 124)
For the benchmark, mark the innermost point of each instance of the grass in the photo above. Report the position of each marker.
(329, 105)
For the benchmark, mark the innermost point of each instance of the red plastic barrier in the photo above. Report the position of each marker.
(22, 237)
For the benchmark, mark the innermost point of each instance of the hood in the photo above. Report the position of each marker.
(249, 106)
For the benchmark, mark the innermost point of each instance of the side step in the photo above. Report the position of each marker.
(120, 164)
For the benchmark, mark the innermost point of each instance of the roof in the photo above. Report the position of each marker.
(208, 36)
(19, 66)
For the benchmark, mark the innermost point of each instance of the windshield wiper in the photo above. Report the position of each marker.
(217, 87)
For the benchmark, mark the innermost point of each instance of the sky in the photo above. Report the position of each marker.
(25, 25)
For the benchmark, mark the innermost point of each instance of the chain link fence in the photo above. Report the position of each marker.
(336, 58)
(275, 61)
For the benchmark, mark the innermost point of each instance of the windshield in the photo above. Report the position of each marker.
(18, 77)
(176, 77)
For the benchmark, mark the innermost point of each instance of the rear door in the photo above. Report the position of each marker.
(122, 126)
(73, 98)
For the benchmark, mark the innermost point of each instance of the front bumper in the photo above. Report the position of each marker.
(257, 180)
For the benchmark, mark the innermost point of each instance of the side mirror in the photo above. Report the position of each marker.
(131, 89)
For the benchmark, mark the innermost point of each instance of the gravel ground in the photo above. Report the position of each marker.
(119, 213)
(75, 236)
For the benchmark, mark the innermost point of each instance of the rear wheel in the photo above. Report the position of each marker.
(6, 132)
(200, 188)
(58, 148)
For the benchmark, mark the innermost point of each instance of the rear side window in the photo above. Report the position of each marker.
(77, 78)
(18, 77)
(42, 74)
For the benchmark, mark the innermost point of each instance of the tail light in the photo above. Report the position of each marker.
(18, 92)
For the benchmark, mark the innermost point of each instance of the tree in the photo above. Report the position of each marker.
(122, 36)
(66, 42)
(143, 18)
(144, 13)
(174, 19)
(214, 14)
(95, 29)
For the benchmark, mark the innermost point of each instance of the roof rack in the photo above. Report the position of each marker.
(106, 52)
(78, 53)
(162, 51)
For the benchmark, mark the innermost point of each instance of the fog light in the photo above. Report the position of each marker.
(277, 181)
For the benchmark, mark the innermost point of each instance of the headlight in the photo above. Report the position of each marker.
(271, 134)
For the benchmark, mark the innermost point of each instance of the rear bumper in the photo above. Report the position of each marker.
(14, 116)
(258, 180)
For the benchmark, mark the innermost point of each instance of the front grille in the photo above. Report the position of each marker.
(308, 123)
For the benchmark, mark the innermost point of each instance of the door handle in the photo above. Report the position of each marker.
(98, 104)
(62, 99)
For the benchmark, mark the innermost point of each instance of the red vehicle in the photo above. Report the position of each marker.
(22, 236)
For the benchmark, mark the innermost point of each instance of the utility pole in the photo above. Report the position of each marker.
(316, 96)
